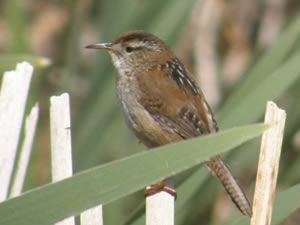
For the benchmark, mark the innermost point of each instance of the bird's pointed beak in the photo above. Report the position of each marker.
(105, 46)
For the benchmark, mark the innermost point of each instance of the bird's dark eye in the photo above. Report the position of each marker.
(128, 49)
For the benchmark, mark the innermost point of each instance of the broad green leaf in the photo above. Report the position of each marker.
(104, 184)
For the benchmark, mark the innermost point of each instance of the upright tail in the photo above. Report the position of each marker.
(218, 168)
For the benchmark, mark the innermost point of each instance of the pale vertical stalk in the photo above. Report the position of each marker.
(14, 91)
(93, 216)
(272, 21)
(61, 150)
(205, 49)
(30, 127)
(239, 21)
(160, 209)
(268, 165)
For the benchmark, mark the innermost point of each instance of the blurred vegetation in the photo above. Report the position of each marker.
(226, 41)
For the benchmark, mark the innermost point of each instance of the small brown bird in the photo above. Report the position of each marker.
(162, 103)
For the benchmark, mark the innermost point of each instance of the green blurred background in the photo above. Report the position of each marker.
(220, 41)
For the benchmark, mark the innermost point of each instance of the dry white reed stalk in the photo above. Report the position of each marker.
(13, 96)
(61, 150)
(30, 128)
(268, 165)
(160, 209)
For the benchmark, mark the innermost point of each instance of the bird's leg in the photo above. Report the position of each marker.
(164, 185)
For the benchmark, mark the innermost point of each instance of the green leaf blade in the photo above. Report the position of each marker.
(104, 184)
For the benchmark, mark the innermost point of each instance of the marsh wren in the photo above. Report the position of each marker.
(162, 103)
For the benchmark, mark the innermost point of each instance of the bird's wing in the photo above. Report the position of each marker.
(182, 109)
